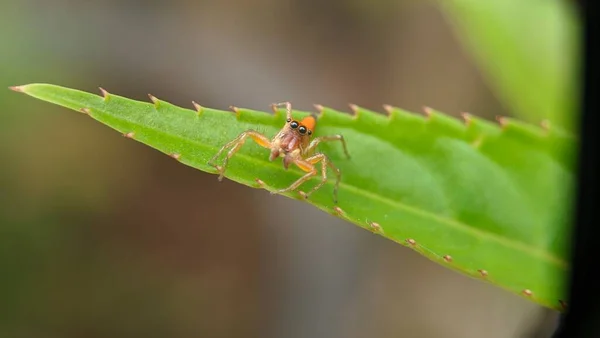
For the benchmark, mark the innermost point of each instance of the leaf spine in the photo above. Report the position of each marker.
(428, 111)
(355, 110)
(389, 109)
(105, 94)
(338, 210)
(154, 100)
(501, 121)
(319, 109)
(375, 226)
(199, 108)
(466, 118)
(236, 110)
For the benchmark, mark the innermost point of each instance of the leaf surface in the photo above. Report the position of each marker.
(491, 201)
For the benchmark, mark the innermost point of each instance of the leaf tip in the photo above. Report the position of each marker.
(199, 108)
(154, 100)
(18, 89)
(105, 93)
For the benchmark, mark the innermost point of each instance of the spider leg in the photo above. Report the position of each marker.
(325, 162)
(235, 145)
(288, 108)
(313, 144)
(308, 165)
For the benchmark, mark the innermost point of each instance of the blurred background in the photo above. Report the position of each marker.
(104, 237)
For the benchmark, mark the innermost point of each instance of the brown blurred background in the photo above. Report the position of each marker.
(104, 237)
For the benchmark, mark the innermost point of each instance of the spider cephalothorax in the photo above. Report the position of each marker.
(293, 143)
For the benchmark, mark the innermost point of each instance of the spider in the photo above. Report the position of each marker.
(293, 143)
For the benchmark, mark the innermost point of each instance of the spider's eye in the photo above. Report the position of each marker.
(288, 120)
(302, 130)
(309, 132)
(294, 124)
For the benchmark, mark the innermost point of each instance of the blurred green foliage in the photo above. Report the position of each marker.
(529, 51)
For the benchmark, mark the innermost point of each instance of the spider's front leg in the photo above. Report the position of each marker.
(308, 165)
(313, 144)
(235, 145)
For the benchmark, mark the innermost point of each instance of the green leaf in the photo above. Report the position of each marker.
(489, 201)
(529, 52)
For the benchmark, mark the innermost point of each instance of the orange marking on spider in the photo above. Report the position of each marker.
(293, 143)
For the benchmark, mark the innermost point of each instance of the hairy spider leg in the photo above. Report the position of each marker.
(313, 144)
(308, 165)
(235, 145)
(288, 109)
